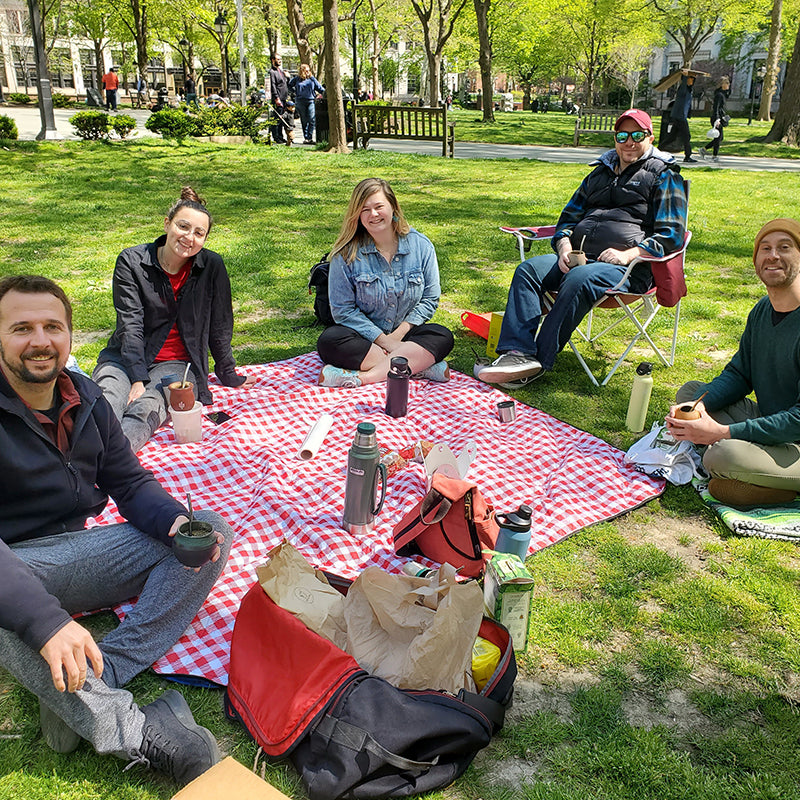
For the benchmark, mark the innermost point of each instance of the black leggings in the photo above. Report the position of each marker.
(343, 347)
(717, 141)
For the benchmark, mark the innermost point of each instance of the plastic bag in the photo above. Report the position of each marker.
(417, 633)
(712, 133)
(659, 455)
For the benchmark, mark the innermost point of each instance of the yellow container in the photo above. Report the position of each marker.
(495, 324)
(485, 658)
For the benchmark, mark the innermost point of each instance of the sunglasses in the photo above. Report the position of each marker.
(637, 136)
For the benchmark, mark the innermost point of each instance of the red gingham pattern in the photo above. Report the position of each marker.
(247, 470)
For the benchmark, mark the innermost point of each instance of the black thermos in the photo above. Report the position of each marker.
(397, 387)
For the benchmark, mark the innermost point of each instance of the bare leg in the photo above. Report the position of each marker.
(376, 363)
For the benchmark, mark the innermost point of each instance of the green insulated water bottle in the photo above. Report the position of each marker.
(364, 469)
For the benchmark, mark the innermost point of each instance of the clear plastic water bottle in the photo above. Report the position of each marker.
(397, 387)
(364, 471)
(515, 532)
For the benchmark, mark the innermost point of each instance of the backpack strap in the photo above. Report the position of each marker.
(403, 536)
(359, 740)
(491, 709)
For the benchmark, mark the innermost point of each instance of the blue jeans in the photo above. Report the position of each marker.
(308, 116)
(98, 568)
(578, 290)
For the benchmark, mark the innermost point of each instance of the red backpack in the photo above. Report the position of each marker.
(350, 734)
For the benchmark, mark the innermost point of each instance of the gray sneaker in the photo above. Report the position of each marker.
(511, 366)
(173, 743)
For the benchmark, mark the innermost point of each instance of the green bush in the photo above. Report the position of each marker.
(91, 124)
(19, 97)
(123, 124)
(172, 123)
(233, 121)
(61, 100)
(8, 128)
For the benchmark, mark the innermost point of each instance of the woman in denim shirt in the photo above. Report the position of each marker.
(383, 287)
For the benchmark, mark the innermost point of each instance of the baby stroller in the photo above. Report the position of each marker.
(285, 118)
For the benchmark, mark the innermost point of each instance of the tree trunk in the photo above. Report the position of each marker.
(297, 24)
(98, 62)
(337, 136)
(485, 57)
(140, 23)
(434, 72)
(786, 127)
(773, 63)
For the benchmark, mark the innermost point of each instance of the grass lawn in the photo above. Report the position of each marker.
(556, 129)
(663, 658)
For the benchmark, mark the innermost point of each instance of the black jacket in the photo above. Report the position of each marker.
(618, 209)
(43, 493)
(279, 85)
(147, 309)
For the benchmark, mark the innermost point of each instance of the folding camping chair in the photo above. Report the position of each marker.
(639, 309)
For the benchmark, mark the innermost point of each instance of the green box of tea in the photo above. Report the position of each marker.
(507, 593)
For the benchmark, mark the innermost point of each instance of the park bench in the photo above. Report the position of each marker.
(592, 120)
(403, 122)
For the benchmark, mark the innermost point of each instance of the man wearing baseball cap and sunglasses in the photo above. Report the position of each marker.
(632, 204)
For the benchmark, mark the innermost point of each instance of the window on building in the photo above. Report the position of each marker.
(60, 65)
(88, 68)
(156, 74)
(24, 66)
(414, 74)
(15, 21)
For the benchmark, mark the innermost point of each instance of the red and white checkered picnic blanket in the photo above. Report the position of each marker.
(247, 470)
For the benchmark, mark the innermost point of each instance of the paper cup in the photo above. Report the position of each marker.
(188, 425)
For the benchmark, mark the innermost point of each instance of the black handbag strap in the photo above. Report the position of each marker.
(358, 740)
(491, 709)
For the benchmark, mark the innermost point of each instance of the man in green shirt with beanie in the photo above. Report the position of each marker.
(753, 446)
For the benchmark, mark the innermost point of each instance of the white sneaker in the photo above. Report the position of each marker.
(511, 366)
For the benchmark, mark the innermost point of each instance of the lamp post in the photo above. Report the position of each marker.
(240, 42)
(183, 44)
(760, 73)
(221, 27)
(355, 52)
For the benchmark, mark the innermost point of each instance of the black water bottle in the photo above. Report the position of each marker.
(397, 387)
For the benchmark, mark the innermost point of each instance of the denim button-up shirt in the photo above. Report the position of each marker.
(373, 297)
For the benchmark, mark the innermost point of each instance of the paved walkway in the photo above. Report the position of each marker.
(29, 124)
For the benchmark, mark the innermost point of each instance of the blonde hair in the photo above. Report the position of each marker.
(305, 71)
(353, 234)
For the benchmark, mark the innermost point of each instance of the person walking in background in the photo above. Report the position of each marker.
(719, 117)
(278, 92)
(679, 116)
(306, 88)
(191, 89)
(111, 85)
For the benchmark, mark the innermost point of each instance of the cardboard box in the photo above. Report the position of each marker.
(495, 323)
(229, 778)
(507, 593)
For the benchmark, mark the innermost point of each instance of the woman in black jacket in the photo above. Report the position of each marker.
(173, 303)
(718, 114)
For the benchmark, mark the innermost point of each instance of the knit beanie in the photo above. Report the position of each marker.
(791, 227)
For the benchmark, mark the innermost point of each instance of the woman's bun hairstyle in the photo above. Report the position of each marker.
(190, 199)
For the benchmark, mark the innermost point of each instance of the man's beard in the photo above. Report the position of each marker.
(24, 374)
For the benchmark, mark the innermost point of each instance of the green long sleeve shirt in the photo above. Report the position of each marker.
(767, 363)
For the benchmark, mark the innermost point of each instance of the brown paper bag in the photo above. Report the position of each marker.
(417, 633)
(292, 583)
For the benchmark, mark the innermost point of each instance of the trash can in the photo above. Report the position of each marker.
(323, 122)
